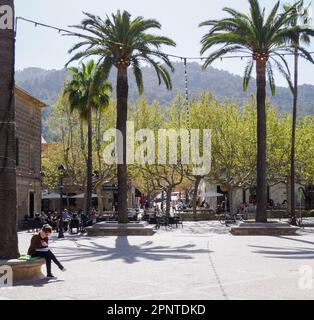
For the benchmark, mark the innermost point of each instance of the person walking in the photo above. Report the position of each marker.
(39, 248)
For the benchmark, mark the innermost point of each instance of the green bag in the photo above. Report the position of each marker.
(27, 258)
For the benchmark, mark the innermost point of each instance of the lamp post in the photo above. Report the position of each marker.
(300, 189)
(61, 170)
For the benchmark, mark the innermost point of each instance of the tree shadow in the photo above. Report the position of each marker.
(285, 253)
(128, 253)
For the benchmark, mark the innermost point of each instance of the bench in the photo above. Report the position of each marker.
(25, 269)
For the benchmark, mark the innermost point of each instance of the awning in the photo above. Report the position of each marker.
(52, 196)
(82, 195)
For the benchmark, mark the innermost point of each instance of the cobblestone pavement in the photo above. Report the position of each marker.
(201, 261)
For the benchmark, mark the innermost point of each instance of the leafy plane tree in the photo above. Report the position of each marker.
(265, 39)
(122, 42)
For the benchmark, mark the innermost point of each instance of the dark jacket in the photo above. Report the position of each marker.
(37, 242)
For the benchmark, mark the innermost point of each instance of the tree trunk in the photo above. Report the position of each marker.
(122, 113)
(8, 198)
(261, 215)
(196, 185)
(288, 188)
(99, 141)
(231, 199)
(168, 201)
(294, 124)
(89, 184)
(100, 202)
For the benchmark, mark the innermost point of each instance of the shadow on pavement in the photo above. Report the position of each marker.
(129, 253)
(286, 253)
(36, 282)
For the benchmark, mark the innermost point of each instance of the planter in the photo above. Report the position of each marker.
(24, 270)
(120, 229)
(272, 228)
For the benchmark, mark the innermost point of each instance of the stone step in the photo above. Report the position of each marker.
(270, 229)
(116, 229)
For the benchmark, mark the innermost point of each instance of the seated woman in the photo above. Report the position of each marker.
(39, 248)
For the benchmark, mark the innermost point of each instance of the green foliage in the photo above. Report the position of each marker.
(233, 142)
(47, 85)
(263, 38)
(86, 90)
(71, 149)
(121, 41)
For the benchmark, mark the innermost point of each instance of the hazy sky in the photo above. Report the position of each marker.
(39, 47)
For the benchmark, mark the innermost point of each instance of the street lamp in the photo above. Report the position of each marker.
(61, 170)
(300, 189)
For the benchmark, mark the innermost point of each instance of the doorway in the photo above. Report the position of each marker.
(31, 202)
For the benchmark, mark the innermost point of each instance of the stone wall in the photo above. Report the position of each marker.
(25, 186)
(28, 135)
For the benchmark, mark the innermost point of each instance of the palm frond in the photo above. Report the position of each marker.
(256, 15)
(219, 53)
(270, 77)
(210, 40)
(247, 74)
(138, 75)
(284, 73)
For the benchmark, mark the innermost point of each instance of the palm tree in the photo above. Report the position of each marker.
(265, 39)
(86, 92)
(8, 199)
(300, 17)
(123, 42)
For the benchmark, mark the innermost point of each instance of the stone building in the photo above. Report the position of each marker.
(28, 155)
(277, 193)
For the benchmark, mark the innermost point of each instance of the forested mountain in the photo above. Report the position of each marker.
(47, 85)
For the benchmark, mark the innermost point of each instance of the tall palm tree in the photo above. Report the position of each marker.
(122, 42)
(300, 17)
(265, 40)
(87, 91)
(8, 199)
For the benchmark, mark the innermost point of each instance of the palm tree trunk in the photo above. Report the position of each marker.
(8, 198)
(89, 184)
(99, 141)
(294, 124)
(122, 114)
(261, 215)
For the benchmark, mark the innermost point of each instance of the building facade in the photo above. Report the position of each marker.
(277, 194)
(28, 153)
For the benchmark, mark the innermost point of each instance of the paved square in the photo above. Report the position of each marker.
(201, 261)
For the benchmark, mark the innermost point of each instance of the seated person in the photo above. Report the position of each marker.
(39, 248)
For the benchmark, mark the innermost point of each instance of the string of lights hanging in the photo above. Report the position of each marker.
(187, 102)
(182, 58)
(36, 23)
